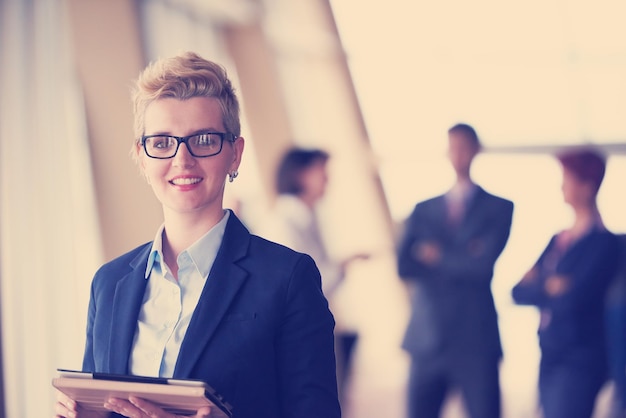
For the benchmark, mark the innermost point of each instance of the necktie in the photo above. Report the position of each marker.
(456, 210)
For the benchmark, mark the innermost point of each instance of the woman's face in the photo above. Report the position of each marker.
(314, 180)
(184, 183)
(576, 193)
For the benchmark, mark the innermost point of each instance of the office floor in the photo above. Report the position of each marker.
(376, 387)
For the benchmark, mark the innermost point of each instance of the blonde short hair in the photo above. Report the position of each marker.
(182, 77)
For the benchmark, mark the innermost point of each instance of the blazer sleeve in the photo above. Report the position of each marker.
(468, 259)
(409, 268)
(305, 345)
(531, 291)
(588, 269)
(88, 357)
(473, 260)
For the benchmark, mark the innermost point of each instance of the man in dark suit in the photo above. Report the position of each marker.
(448, 251)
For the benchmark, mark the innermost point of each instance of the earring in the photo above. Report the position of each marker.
(232, 175)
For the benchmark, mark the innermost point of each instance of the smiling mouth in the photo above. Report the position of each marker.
(184, 181)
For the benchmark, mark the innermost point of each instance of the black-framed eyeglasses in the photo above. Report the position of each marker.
(200, 145)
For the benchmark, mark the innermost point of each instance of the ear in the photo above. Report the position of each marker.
(140, 160)
(238, 147)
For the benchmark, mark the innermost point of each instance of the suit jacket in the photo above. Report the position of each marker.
(453, 312)
(261, 334)
(573, 324)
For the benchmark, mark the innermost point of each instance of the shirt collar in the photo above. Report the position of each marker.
(462, 191)
(156, 254)
(202, 252)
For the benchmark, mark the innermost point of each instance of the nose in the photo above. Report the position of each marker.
(183, 157)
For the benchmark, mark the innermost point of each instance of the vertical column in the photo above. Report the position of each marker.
(323, 111)
(263, 99)
(109, 56)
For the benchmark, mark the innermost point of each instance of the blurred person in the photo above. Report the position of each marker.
(616, 331)
(301, 182)
(568, 283)
(447, 254)
(248, 315)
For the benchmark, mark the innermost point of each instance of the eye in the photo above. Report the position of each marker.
(206, 140)
(162, 142)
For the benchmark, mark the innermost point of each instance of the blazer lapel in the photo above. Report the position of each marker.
(223, 283)
(126, 306)
(437, 210)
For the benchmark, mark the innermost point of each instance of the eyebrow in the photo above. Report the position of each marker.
(197, 132)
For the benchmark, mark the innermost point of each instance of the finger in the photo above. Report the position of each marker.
(63, 399)
(148, 408)
(203, 412)
(63, 411)
(152, 410)
(123, 407)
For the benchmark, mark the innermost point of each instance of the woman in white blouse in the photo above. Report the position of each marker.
(301, 181)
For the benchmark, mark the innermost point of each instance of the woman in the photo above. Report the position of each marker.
(206, 300)
(301, 181)
(568, 284)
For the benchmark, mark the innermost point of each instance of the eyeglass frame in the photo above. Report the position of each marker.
(228, 136)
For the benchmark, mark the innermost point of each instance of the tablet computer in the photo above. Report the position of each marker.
(177, 396)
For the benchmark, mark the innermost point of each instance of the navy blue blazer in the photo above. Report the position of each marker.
(574, 324)
(453, 312)
(261, 334)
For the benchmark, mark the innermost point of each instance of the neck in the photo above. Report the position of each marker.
(463, 177)
(463, 180)
(182, 230)
(308, 200)
(584, 218)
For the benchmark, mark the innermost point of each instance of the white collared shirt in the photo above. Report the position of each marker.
(462, 191)
(457, 199)
(294, 224)
(168, 305)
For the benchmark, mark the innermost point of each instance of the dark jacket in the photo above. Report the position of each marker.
(261, 334)
(453, 311)
(574, 321)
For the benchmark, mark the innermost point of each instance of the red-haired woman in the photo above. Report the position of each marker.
(568, 284)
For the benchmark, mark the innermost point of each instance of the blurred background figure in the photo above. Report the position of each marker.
(301, 181)
(448, 251)
(616, 329)
(568, 284)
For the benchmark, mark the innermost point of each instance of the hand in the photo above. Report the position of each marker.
(530, 276)
(360, 256)
(67, 408)
(428, 253)
(343, 265)
(556, 285)
(135, 407)
(355, 257)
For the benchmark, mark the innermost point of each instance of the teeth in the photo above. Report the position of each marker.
(186, 180)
